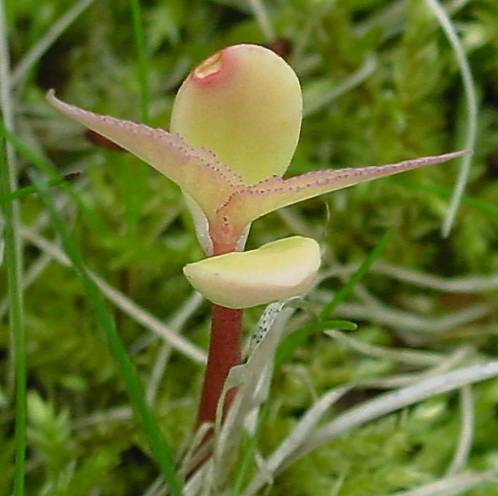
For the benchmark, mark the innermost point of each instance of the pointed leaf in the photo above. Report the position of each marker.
(244, 103)
(276, 271)
(196, 170)
(248, 204)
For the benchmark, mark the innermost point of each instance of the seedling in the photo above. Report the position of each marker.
(234, 128)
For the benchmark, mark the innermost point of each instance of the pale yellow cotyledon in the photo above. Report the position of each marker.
(276, 271)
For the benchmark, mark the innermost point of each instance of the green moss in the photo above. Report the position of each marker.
(137, 235)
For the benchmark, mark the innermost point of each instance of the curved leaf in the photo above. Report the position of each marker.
(276, 271)
(196, 170)
(248, 204)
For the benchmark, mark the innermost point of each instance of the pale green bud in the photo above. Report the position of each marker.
(244, 103)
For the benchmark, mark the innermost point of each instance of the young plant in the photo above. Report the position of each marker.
(234, 128)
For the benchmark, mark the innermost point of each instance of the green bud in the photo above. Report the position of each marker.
(244, 103)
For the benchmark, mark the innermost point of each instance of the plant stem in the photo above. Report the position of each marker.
(224, 353)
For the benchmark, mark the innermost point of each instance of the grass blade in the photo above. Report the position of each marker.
(29, 190)
(263, 19)
(249, 452)
(13, 269)
(484, 206)
(452, 485)
(343, 87)
(54, 175)
(395, 400)
(142, 67)
(105, 321)
(134, 177)
(48, 39)
(357, 276)
(305, 427)
(13, 259)
(299, 337)
(123, 303)
(471, 101)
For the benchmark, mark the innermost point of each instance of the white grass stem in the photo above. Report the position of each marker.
(471, 102)
(383, 405)
(175, 324)
(343, 87)
(391, 19)
(451, 486)
(410, 322)
(155, 488)
(150, 322)
(409, 357)
(466, 284)
(283, 454)
(395, 400)
(37, 267)
(467, 431)
(263, 19)
(6, 102)
(120, 300)
(47, 40)
(295, 222)
(117, 414)
(365, 296)
(304, 427)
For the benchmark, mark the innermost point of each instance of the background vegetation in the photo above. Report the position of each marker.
(381, 83)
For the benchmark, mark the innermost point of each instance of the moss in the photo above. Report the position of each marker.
(134, 232)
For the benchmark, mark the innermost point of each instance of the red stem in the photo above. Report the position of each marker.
(224, 353)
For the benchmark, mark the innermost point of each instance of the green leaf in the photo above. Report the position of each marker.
(297, 338)
(357, 276)
(13, 268)
(29, 190)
